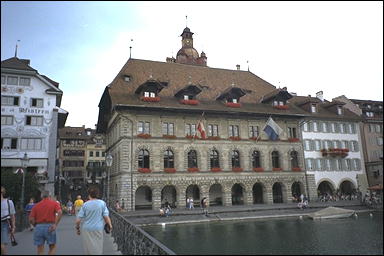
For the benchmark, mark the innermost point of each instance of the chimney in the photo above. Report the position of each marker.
(238, 67)
(319, 95)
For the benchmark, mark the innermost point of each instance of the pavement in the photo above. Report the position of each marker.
(68, 243)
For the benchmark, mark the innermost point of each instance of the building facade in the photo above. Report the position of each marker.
(332, 147)
(372, 136)
(81, 161)
(153, 114)
(30, 118)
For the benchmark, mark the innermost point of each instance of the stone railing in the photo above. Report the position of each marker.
(132, 240)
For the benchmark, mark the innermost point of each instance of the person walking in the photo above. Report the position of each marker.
(94, 215)
(7, 220)
(78, 204)
(28, 209)
(191, 206)
(69, 207)
(45, 216)
(204, 205)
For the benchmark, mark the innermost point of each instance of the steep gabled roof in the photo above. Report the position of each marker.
(16, 63)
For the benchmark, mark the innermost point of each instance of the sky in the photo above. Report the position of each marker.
(334, 47)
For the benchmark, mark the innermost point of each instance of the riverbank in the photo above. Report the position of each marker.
(241, 212)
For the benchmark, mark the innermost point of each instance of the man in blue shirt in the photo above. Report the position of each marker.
(93, 215)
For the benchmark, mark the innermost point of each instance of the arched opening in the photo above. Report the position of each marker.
(214, 159)
(143, 159)
(256, 163)
(347, 188)
(193, 192)
(257, 192)
(294, 159)
(235, 159)
(277, 193)
(297, 189)
(275, 159)
(168, 194)
(143, 198)
(168, 159)
(326, 189)
(192, 159)
(215, 195)
(237, 195)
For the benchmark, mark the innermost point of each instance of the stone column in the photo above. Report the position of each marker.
(269, 194)
(248, 197)
(156, 198)
(227, 196)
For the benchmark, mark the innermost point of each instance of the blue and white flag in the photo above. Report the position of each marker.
(272, 129)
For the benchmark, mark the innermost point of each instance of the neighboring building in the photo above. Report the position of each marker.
(95, 160)
(332, 146)
(151, 111)
(372, 136)
(30, 118)
(81, 160)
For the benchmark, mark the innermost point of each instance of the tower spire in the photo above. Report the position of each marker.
(16, 49)
(130, 48)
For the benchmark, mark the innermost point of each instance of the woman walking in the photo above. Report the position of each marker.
(93, 215)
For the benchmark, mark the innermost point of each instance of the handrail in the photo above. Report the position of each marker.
(132, 240)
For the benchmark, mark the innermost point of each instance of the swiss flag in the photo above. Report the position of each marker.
(201, 129)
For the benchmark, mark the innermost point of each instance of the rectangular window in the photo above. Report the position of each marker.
(306, 127)
(97, 154)
(213, 130)
(6, 120)
(91, 153)
(292, 132)
(253, 131)
(339, 110)
(9, 101)
(310, 164)
(2, 79)
(317, 145)
(38, 103)
(26, 81)
(152, 95)
(168, 129)
(8, 143)
(34, 120)
(233, 131)
(143, 127)
(190, 129)
(315, 126)
(333, 127)
(325, 127)
(31, 144)
(12, 80)
(379, 141)
(307, 145)
(343, 128)
(146, 94)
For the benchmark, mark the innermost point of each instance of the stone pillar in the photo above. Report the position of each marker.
(181, 200)
(269, 194)
(227, 197)
(248, 197)
(156, 198)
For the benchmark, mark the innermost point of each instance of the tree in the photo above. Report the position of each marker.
(12, 182)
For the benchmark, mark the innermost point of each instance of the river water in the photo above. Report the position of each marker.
(361, 235)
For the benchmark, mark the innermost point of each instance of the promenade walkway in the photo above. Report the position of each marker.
(68, 243)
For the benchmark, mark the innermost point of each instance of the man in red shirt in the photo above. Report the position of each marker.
(45, 216)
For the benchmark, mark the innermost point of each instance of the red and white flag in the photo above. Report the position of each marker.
(201, 129)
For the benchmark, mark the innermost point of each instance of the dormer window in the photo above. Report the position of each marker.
(231, 97)
(313, 108)
(187, 95)
(150, 90)
(339, 110)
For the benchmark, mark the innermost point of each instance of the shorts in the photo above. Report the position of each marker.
(5, 234)
(42, 234)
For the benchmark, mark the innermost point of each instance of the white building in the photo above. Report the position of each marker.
(30, 117)
(332, 146)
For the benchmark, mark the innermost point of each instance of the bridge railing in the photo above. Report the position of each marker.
(132, 240)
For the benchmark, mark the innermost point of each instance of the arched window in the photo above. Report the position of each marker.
(168, 159)
(256, 159)
(235, 159)
(143, 158)
(275, 159)
(214, 158)
(294, 159)
(192, 159)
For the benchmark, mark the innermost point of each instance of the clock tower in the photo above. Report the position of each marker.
(187, 54)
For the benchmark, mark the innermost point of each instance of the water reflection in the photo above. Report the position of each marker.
(363, 235)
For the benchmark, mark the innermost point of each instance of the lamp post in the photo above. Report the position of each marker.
(108, 161)
(24, 162)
